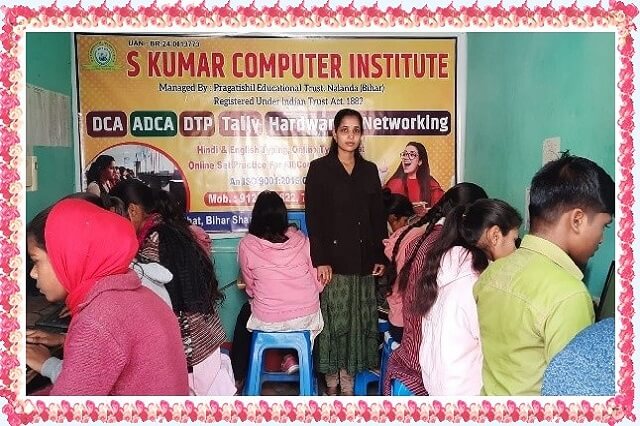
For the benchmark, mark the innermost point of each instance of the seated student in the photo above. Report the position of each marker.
(404, 363)
(153, 276)
(450, 352)
(587, 365)
(533, 302)
(122, 339)
(166, 238)
(175, 207)
(400, 217)
(275, 263)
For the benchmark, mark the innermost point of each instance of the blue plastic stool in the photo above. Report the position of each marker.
(389, 346)
(399, 389)
(383, 325)
(298, 340)
(362, 380)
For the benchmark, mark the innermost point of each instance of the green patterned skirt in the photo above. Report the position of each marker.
(350, 336)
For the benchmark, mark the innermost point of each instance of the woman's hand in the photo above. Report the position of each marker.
(378, 270)
(325, 274)
(240, 282)
(40, 337)
(36, 356)
(64, 312)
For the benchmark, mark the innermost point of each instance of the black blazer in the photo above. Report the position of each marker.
(345, 216)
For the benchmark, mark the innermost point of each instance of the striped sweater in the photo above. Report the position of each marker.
(201, 333)
(404, 363)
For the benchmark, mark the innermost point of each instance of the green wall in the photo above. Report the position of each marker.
(48, 57)
(524, 88)
(225, 257)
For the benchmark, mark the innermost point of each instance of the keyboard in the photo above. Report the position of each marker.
(54, 321)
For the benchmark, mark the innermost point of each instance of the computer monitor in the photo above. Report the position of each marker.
(607, 304)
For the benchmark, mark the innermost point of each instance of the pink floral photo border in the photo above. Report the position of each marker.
(616, 16)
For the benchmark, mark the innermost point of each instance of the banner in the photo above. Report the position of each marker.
(220, 119)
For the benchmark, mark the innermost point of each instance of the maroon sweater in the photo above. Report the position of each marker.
(124, 340)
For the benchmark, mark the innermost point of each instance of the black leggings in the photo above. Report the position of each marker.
(241, 343)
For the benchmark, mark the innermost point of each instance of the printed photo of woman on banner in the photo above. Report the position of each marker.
(413, 179)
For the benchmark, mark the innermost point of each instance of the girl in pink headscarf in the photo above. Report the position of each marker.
(122, 339)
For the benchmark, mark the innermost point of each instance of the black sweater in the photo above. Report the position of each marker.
(345, 216)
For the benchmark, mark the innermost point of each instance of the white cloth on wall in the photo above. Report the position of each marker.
(48, 118)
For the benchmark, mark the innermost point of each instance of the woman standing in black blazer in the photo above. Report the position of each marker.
(346, 225)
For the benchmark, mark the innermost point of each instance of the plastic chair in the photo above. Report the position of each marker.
(383, 325)
(364, 378)
(298, 340)
(399, 389)
(389, 346)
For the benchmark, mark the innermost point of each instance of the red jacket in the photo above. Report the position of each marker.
(397, 187)
(123, 340)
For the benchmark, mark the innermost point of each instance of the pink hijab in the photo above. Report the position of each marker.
(85, 244)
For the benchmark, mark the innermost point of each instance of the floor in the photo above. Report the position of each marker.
(292, 389)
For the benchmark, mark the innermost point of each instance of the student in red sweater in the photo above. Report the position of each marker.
(413, 179)
(122, 339)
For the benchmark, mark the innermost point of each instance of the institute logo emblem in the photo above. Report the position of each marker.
(102, 56)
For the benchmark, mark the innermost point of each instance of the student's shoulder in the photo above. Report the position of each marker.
(546, 285)
(505, 273)
(246, 241)
(100, 317)
(543, 269)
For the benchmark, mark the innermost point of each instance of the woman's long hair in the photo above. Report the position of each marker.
(94, 173)
(423, 173)
(169, 208)
(194, 286)
(400, 206)
(396, 204)
(135, 192)
(269, 218)
(463, 226)
(337, 120)
(458, 195)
